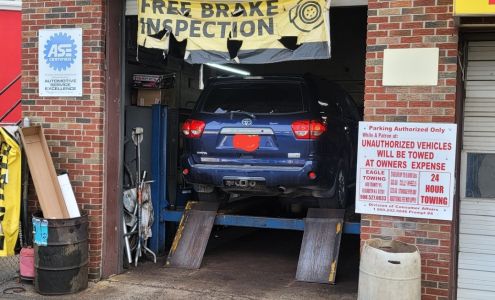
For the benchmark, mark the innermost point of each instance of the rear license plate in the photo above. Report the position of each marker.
(246, 183)
(246, 142)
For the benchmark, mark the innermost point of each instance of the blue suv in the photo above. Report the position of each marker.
(291, 136)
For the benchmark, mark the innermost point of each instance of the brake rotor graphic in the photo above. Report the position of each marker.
(306, 15)
(310, 12)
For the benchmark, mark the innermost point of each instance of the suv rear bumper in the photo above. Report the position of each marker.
(274, 176)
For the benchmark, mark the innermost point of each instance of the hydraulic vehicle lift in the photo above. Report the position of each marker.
(322, 228)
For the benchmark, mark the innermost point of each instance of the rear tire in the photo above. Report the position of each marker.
(339, 199)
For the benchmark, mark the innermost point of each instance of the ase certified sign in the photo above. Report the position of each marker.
(406, 169)
(60, 62)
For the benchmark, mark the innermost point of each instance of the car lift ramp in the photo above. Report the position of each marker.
(192, 235)
(319, 251)
(320, 245)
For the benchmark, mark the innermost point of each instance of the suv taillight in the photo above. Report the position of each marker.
(193, 128)
(308, 129)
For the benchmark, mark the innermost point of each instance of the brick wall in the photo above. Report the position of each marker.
(73, 126)
(413, 24)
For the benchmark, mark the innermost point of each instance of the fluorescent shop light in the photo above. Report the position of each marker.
(229, 69)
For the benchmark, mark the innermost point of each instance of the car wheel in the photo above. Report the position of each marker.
(339, 200)
(341, 194)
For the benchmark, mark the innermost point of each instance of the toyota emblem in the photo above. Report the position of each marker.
(247, 122)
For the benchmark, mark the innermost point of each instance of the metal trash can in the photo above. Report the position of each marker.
(389, 269)
(60, 255)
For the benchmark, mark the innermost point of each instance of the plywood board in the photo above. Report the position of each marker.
(43, 173)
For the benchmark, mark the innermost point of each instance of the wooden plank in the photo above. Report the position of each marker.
(192, 236)
(319, 253)
(113, 150)
(43, 173)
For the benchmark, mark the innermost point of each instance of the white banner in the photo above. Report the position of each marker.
(406, 169)
(60, 62)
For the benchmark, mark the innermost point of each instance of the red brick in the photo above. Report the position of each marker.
(429, 270)
(438, 263)
(418, 104)
(417, 3)
(439, 235)
(63, 111)
(405, 239)
(375, 230)
(437, 292)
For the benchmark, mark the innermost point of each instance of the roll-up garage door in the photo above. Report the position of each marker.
(131, 7)
(476, 277)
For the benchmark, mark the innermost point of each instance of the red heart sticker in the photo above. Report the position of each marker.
(248, 143)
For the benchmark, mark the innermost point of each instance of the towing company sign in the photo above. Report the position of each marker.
(257, 26)
(60, 62)
(474, 7)
(406, 169)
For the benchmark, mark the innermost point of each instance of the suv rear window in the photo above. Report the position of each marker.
(256, 98)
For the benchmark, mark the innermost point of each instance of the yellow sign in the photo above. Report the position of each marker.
(474, 7)
(261, 28)
(10, 192)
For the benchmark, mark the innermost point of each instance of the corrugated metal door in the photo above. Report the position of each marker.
(131, 7)
(476, 278)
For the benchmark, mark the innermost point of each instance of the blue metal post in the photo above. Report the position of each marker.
(158, 171)
(259, 222)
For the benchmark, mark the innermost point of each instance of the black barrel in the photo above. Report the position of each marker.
(61, 267)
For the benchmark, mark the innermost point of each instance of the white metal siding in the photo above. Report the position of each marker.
(476, 278)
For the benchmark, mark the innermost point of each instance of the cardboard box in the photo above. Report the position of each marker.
(43, 173)
(162, 81)
(148, 97)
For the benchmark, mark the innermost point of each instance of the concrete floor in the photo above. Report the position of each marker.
(238, 264)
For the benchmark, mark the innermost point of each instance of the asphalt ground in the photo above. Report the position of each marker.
(239, 263)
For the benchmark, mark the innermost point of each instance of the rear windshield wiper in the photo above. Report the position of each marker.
(241, 112)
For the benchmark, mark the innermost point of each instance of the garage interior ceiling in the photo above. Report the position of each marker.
(345, 67)
(131, 5)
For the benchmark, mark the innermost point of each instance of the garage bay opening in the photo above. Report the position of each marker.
(250, 165)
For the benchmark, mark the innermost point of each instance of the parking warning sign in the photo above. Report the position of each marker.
(406, 169)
